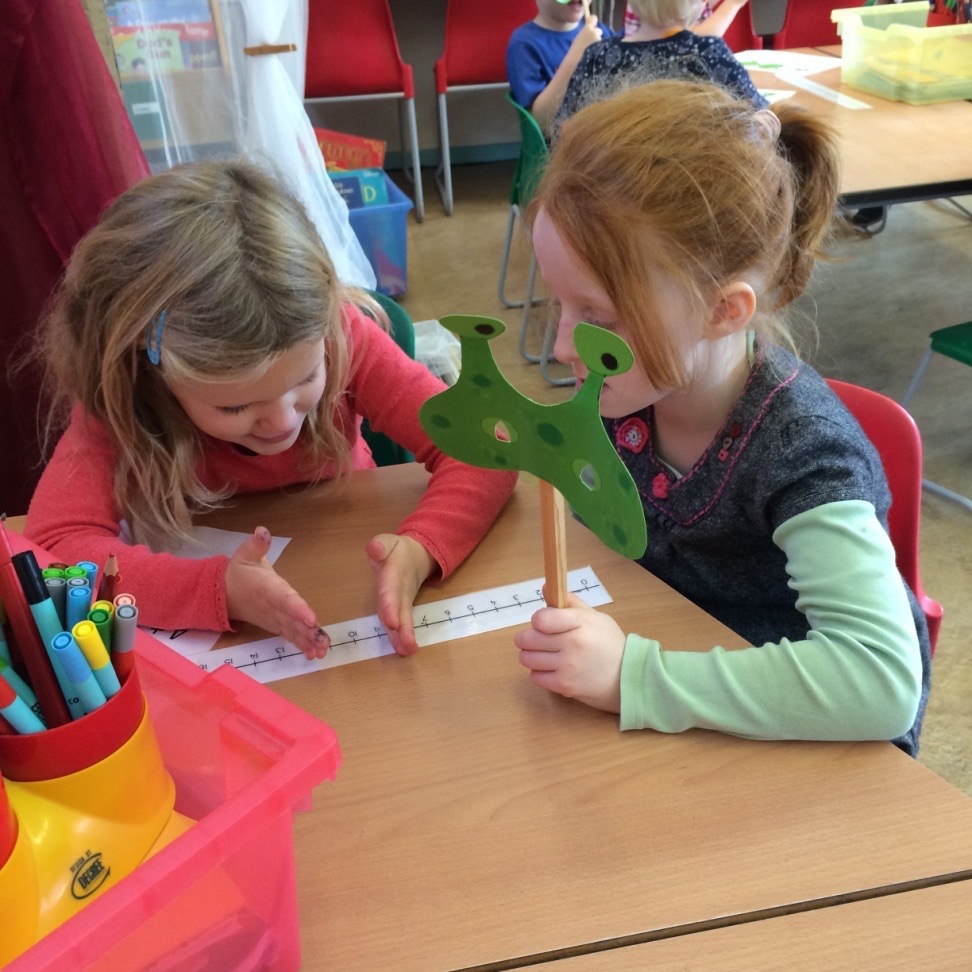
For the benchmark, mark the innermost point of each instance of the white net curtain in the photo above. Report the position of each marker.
(192, 93)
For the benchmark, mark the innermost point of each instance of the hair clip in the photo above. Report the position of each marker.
(153, 343)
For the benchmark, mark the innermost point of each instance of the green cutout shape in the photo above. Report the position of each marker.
(484, 421)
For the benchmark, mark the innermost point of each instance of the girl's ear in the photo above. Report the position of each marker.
(732, 311)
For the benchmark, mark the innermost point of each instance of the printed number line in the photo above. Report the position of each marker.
(282, 654)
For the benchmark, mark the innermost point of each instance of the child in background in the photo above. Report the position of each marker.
(663, 46)
(206, 349)
(714, 23)
(766, 504)
(542, 54)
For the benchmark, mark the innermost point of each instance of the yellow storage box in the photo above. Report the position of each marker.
(888, 51)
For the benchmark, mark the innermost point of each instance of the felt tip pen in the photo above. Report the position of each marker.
(91, 569)
(16, 711)
(57, 588)
(124, 626)
(75, 571)
(45, 617)
(101, 618)
(79, 672)
(78, 605)
(96, 654)
(53, 572)
(26, 644)
(121, 599)
(14, 680)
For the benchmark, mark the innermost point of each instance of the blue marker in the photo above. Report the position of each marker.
(21, 688)
(91, 569)
(78, 605)
(46, 619)
(16, 711)
(57, 588)
(79, 672)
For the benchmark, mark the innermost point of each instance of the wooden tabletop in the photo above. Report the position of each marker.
(892, 152)
(480, 821)
(927, 929)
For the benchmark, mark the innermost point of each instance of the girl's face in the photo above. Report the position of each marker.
(266, 414)
(582, 298)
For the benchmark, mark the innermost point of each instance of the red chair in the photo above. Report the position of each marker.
(898, 442)
(353, 55)
(473, 59)
(807, 23)
(740, 35)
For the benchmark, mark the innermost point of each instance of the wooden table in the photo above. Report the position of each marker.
(927, 929)
(893, 152)
(478, 821)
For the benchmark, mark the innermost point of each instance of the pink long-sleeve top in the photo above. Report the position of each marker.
(74, 516)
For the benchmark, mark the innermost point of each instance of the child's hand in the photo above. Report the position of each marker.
(401, 564)
(257, 594)
(575, 651)
(587, 35)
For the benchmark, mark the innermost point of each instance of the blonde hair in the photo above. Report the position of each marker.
(668, 13)
(678, 180)
(240, 272)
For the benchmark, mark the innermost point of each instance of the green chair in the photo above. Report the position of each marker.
(529, 169)
(954, 342)
(385, 451)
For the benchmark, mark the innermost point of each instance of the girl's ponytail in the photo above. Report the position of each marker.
(810, 146)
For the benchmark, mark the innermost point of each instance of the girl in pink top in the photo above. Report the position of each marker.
(205, 348)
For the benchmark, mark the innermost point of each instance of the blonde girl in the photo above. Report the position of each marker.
(766, 504)
(200, 347)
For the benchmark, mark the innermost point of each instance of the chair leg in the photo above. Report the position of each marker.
(959, 206)
(919, 374)
(443, 178)
(527, 308)
(947, 494)
(546, 355)
(505, 261)
(409, 107)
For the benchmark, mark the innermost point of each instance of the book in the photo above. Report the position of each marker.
(161, 36)
(361, 187)
(343, 152)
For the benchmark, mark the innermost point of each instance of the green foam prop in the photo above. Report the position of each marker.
(484, 421)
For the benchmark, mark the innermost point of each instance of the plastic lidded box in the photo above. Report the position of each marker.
(222, 895)
(888, 51)
(381, 231)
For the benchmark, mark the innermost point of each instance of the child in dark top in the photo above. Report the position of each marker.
(542, 54)
(765, 502)
(663, 46)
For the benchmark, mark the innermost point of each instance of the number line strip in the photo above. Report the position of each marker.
(435, 622)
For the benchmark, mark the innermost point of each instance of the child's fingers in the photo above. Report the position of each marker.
(552, 621)
(539, 661)
(254, 549)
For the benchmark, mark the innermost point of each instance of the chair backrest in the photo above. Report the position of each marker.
(808, 24)
(385, 451)
(476, 37)
(896, 438)
(533, 156)
(740, 35)
(352, 49)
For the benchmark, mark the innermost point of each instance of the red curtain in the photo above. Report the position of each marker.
(66, 150)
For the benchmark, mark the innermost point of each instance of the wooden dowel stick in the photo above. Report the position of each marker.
(554, 544)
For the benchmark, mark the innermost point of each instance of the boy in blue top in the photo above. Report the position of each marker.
(542, 54)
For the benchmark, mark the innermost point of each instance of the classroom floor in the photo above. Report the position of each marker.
(874, 305)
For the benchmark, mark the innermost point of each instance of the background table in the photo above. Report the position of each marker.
(480, 821)
(892, 152)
